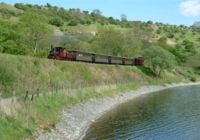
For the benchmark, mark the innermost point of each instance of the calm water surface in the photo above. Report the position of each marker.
(172, 114)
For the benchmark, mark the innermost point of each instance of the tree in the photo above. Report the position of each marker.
(170, 35)
(96, 15)
(111, 41)
(159, 59)
(73, 22)
(10, 38)
(36, 29)
(63, 14)
(96, 12)
(56, 21)
(21, 6)
(123, 18)
(142, 31)
(112, 20)
(86, 12)
(132, 46)
(180, 54)
(149, 22)
(159, 31)
(189, 46)
(48, 5)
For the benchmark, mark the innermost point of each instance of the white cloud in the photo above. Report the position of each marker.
(190, 8)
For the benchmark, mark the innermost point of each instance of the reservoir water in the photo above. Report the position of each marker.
(172, 114)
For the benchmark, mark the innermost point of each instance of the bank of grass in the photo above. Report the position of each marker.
(20, 73)
(11, 129)
(62, 84)
(43, 113)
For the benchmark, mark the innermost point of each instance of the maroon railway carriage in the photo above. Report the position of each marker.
(61, 53)
(139, 61)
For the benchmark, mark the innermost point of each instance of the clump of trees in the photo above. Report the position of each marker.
(10, 38)
(25, 36)
(183, 51)
(113, 41)
(110, 40)
(35, 29)
(158, 59)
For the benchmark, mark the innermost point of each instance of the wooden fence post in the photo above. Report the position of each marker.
(32, 97)
(38, 92)
(26, 96)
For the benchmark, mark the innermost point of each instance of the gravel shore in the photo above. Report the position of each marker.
(76, 120)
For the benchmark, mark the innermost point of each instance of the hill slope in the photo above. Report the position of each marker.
(61, 84)
(22, 73)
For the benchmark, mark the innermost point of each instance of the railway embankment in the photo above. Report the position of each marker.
(59, 85)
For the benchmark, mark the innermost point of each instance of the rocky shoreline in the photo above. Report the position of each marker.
(76, 120)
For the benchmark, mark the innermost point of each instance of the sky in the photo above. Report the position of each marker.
(177, 12)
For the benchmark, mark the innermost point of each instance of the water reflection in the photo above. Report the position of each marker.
(168, 115)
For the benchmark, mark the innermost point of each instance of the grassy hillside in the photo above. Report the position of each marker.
(22, 73)
(62, 84)
(30, 73)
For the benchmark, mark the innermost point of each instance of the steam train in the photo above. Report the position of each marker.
(60, 53)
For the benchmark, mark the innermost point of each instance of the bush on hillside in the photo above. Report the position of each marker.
(159, 59)
(12, 48)
(73, 23)
(193, 79)
(56, 21)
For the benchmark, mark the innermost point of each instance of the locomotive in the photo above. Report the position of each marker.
(60, 53)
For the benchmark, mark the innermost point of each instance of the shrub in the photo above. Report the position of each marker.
(56, 21)
(193, 79)
(159, 59)
(12, 48)
(170, 35)
(73, 23)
